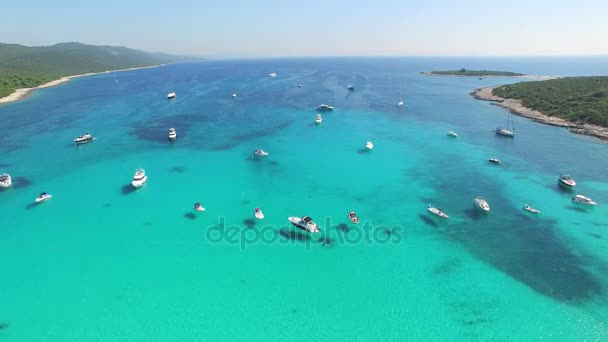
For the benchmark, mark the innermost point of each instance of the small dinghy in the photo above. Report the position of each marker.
(319, 119)
(258, 213)
(198, 207)
(436, 211)
(352, 216)
(530, 209)
(43, 197)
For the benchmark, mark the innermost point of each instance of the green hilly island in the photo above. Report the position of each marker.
(577, 99)
(26, 67)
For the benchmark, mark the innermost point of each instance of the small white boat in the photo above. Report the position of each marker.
(436, 211)
(452, 134)
(260, 153)
(319, 119)
(400, 103)
(494, 160)
(530, 209)
(481, 203)
(352, 216)
(299, 86)
(272, 75)
(504, 132)
(567, 181)
(198, 207)
(258, 213)
(139, 178)
(5, 180)
(350, 88)
(43, 197)
(234, 95)
(580, 199)
(171, 95)
(172, 134)
(369, 145)
(325, 107)
(306, 223)
(83, 139)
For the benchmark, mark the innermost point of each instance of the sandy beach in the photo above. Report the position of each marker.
(516, 107)
(535, 77)
(24, 92)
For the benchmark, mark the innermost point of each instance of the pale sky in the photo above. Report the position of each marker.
(258, 28)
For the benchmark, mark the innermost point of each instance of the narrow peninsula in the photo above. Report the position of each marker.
(24, 69)
(577, 103)
(474, 73)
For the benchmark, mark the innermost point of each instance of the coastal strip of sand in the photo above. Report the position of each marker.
(533, 77)
(516, 107)
(24, 92)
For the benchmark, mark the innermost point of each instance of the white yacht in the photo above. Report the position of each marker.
(260, 153)
(258, 213)
(400, 103)
(580, 199)
(530, 209)
(139, 178)
(481, 203)
(198, 207)
(369, 145)
(494, 160)
(234, 95)
(5, 180)
(171, 95)
(452, 134)
(325, 107)
(319, 119)
(306, 223)
(83, 139)
(567, 181)
(436, 211)
(272, 75)
(43, 197)
(172, 134)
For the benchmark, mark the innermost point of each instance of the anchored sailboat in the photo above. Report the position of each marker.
(507, 132)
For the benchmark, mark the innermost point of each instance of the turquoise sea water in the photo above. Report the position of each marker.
(101, 262)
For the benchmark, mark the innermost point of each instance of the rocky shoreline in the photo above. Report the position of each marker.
(516, 107)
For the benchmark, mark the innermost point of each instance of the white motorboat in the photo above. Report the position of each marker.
(400, 103)
(139, 178)
(350, 88)
(172, 134)
(83, 139)
(530, 209)
(234, 96)
(369, 145)
(198, 207)
(481, 203)
(272, 75)
(325, 107)
(171, 95)
(43, 197)
(306, 223)
(494, 160)
(299, 86)
(260, 153)
(5, 180)
(437, 212)
(352, 216)
(580, 199)
(452, 134)
(319, 119)
(567, 181)
(258, 213)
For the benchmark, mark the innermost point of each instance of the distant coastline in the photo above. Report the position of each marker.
(516, 107)
(22, 93)
(536, 77)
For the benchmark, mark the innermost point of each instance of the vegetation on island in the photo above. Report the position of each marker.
(465, 72)
(576, 99)
(26, 67)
